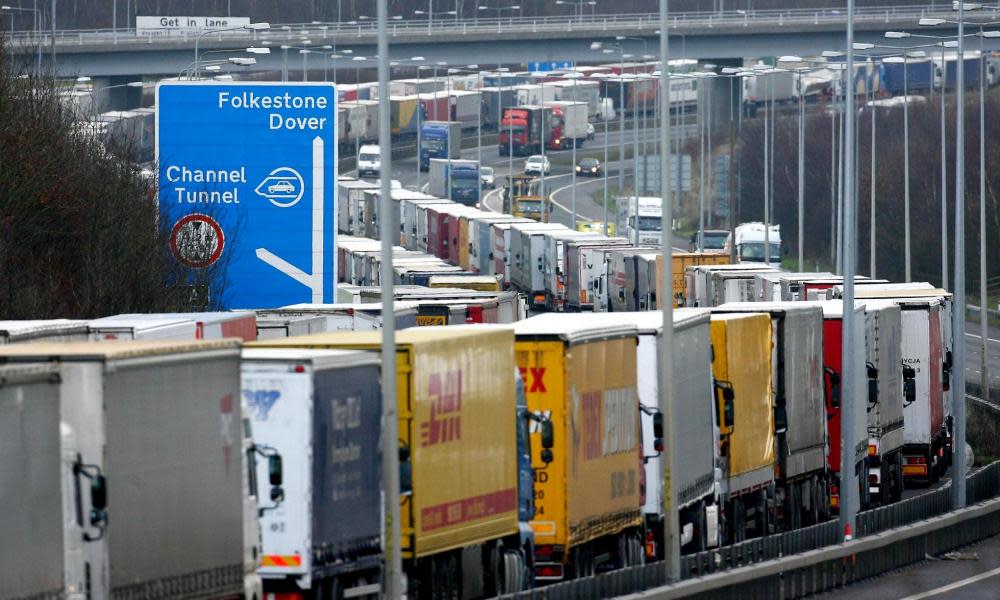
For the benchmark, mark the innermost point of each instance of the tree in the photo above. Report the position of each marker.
(80, 233)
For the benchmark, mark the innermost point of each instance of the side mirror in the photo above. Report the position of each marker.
(548, 435)
(872, 386)
(98, 497)
(405, 471)
(946, 372)
(909, 385)
(834, 379)
(98, 494)
(780, 419)
(275, 473)
(725, 401)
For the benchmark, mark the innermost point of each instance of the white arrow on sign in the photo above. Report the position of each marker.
(315, 280)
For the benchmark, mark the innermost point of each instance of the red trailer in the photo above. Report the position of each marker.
(835, 383)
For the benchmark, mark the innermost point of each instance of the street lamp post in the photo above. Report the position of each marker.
(393, 568)
(801, 154)
(305, 63)
(36, 18)
(665, 347)
(250, 27)
(849, 490)
(958, 314)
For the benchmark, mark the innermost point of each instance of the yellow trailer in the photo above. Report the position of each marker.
(458, 426)
(741, 366)
(588, 499)
(683, 260)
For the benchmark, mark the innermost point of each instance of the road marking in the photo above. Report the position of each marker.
(955, 585)
(979, 338)
(552, 197)
(486, 199)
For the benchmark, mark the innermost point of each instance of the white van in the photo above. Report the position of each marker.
(369, 161)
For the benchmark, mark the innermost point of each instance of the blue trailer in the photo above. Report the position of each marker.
(892, 81)
(971, 66)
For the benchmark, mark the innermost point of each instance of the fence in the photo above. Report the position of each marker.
(639, 22)
(982, 484)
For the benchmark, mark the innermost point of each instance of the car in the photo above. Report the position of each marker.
(590, 132)
(488, 177)
(536, 165)
(281, 187)
(589, 167)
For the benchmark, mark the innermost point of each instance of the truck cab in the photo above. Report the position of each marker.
(750, 243)
(644, 220)
(521, 198)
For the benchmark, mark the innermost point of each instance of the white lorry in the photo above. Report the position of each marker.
(750, 239)
(318, 409)
(643, 218)
(126, 473)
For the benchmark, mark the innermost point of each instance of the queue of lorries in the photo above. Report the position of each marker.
(151, 455)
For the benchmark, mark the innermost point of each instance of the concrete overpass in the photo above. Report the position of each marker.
(731, 34)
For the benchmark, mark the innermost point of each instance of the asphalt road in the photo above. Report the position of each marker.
(976, 576)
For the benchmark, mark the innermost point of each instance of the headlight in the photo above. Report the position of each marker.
(594, 169)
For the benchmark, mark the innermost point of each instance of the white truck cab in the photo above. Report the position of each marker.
(643, 217)
(750, 239)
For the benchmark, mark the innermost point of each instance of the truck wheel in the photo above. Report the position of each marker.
(511, 578)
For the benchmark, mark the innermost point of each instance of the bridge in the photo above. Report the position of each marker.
(519, 40)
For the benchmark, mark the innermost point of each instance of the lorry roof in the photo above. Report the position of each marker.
(760, 267)
(111, 350)
(864, 293)
(832, 309)
(17, 328)
(572, 328)
(650, 321)
(320, 359)
(341, 307)
(414, 336)
(139, 321)
(768, 307)
(465, 279)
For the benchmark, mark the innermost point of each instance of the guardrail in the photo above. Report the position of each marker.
(641, 23)
(808, 560)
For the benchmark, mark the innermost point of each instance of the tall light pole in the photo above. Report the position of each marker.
(249, 27)
(665, 349)
(849, 487)
(393, 565)
(420, 118)
(958, 311)
(801, 152)
(984, 382)
(609, 49)
(36, 17)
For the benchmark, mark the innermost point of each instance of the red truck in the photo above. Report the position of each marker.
(527, 125)
(569, 124)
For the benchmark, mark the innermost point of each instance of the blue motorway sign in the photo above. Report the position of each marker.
(554, 65)
(247, 176)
